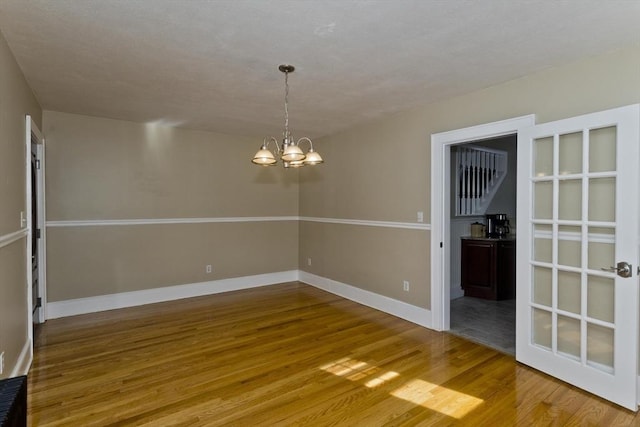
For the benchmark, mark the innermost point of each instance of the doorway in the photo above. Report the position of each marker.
(441, 145)
(486, 312)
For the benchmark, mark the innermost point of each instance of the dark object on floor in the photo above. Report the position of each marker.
(13, 402)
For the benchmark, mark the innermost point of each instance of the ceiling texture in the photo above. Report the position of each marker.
(213, 64)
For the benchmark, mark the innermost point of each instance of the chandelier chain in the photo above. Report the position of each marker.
(286, 105)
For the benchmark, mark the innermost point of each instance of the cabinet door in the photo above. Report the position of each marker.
(506, 271)
(479, 268)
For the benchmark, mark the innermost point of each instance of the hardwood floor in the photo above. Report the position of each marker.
(288, 354)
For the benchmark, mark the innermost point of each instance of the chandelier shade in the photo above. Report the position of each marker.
(289, 150)
(313, 158)
(264, 157)
(292, 153)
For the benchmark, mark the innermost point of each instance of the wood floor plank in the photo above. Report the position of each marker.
(287, 354)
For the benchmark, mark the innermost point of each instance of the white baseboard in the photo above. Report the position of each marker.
(456, 292)
(411, 313)
(130, 299)
(24, 360)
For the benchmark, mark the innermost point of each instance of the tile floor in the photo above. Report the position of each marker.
(488, 322)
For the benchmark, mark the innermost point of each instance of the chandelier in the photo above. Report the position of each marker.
(289, 151)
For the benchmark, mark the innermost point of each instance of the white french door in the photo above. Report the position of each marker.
(578, 224)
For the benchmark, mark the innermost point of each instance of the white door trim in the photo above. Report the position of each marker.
(32, 128)
(42, 219)
(440, 204)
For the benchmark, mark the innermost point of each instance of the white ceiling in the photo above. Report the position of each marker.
(212, 64)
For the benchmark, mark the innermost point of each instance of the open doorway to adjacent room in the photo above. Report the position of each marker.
(482, 241)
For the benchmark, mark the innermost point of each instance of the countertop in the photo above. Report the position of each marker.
(508, 238)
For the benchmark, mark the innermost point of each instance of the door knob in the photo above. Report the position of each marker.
(622, 269)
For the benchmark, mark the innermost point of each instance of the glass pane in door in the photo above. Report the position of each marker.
(602, 199)
(543, 149)
(600, 253)
(602, 149)
(569, 246)
(570, 199)
(600, 347)
(569, 339)
(542, 249)
(600, 298)
(570, 157)
(542, 328)
(569, 291)
(543, 200)
(542, 293)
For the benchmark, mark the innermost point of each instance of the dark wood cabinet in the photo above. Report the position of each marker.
(489, 268)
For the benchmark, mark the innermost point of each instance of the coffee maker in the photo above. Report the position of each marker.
(497, 225)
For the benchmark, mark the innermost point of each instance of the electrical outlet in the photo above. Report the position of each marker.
(1, 363)
(420, 216)
(208, 268)
(405, 285)
(309, 261)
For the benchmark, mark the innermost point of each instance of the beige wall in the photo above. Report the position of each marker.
(368, 258)
(101, 260)
(102, 169)
(16, 101)
(381, 170)
(112, 169)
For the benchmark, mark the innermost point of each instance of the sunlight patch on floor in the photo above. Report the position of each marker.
(381, 379)
(437, 398)
(423, 393)
(351, 369)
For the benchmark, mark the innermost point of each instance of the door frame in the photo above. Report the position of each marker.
(32, 128)
(440, 205)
